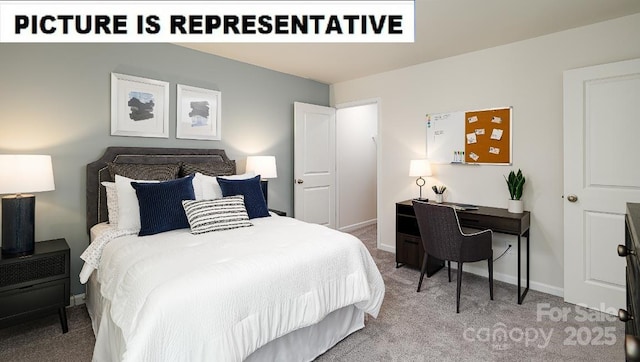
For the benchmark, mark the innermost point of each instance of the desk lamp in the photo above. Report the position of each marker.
(265, 166)
(420, 168)
(22, 174)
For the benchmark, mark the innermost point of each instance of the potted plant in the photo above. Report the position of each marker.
(515, 182)
(439, 191)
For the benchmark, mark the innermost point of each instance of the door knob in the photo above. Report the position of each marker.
(624, 316)
(572, 198)
(299, 181)
(623, 251)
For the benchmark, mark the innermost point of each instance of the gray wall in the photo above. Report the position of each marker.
(55, 99)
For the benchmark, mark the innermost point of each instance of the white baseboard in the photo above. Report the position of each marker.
(512, 279)
(388, 248)
(75, 300)
(350, 228)
(507, 278)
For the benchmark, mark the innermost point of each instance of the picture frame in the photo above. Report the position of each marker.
(139, 106)
(198, 113)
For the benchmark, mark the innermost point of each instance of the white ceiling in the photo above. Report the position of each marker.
(444, 28)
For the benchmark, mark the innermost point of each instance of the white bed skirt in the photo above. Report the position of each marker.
(301, 345)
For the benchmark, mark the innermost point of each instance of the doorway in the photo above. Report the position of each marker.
(356, 164)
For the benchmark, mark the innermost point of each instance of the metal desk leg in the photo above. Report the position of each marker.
(519, 299)
(524, 293)
(528, 238)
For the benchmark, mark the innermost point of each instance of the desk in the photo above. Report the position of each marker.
(409, 249)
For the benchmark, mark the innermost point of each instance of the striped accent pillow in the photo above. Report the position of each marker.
(214, 215)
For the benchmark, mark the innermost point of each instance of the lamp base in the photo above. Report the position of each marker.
(18, 215)
(420, 199)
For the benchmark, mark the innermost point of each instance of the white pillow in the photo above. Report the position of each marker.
(128, 209)
(207, 188)
(112, 202)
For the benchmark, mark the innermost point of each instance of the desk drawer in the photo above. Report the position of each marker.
(409, 250)
(482, 222)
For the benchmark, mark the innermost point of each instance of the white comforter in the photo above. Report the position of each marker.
(220, 296)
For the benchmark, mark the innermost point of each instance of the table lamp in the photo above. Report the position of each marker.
(420, 168)
(265, 166)
(22, 174)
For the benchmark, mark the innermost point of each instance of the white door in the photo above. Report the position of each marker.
(601, 174)
(314, 165)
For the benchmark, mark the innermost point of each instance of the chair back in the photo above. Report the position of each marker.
(439, 229)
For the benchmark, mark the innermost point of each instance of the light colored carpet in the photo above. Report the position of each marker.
(43, 340)
(425, 327)
(411, 326)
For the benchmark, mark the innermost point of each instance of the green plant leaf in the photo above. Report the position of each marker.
(515, 184)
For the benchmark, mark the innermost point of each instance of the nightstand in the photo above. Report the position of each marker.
(35, 285)
(278, 212)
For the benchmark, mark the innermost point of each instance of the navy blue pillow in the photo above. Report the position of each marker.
(254, 200)
(161, 204)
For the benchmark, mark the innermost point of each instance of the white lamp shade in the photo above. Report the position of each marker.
(265, 166)
(25, 174)
(420, 168)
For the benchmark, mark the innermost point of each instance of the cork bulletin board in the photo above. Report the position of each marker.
(474, 137)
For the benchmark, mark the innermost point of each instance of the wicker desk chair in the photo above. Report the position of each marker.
(443, 238)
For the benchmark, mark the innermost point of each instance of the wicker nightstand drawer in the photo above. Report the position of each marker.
(26, 271)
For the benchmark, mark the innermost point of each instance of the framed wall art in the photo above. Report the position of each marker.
(198, 113)
(139, 106)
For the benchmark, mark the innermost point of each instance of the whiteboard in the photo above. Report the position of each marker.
(445, 137)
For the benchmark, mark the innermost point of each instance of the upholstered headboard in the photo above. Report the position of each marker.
(98, 171)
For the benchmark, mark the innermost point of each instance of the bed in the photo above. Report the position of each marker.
(277, 290)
